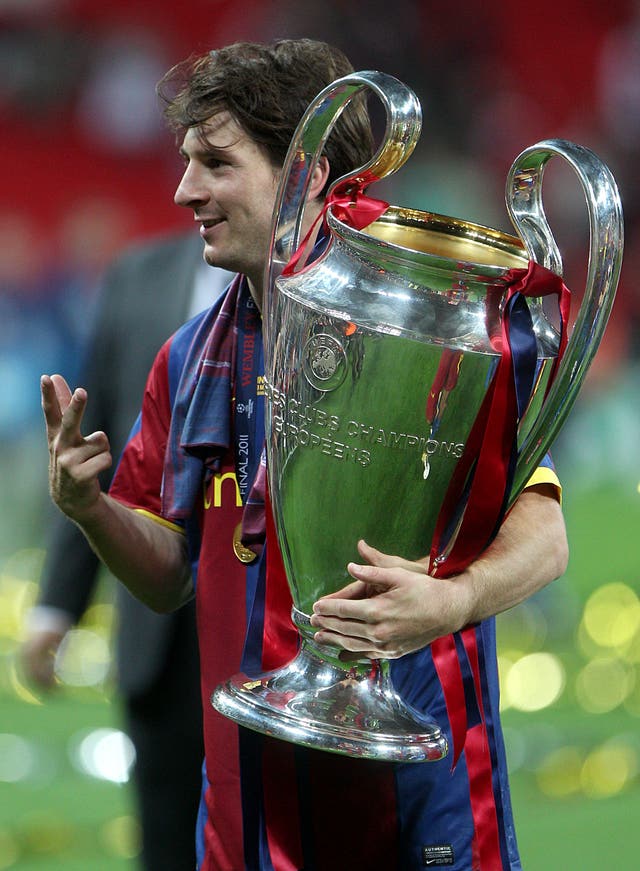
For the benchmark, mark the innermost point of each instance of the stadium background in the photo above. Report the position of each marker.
(87, 168)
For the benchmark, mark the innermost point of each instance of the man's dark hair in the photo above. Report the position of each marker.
(267, 88)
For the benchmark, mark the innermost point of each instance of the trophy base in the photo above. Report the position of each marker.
(316, 702)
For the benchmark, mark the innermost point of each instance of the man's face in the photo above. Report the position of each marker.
(231, 186)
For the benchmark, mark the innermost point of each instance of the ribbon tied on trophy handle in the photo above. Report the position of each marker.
(524, 203)
(403, 127)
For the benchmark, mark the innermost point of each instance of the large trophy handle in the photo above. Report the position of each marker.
(403, 126)
(524, 203)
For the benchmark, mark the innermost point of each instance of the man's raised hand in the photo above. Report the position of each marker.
(75, 461)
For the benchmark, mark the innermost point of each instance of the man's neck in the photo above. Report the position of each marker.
(256, 282)
(255, 289)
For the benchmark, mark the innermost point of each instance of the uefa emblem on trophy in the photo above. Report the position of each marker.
(380, 360)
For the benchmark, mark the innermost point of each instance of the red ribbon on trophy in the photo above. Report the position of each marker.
(355, 209)
(476, 501)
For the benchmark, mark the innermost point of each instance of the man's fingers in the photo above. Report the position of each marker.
(93, 466)
(382, 578)
(72, 416)
(63, 410)
(50, 404)
(62, 389)
(355, 590)
(347, 634)
(344, 609)
(92, 446)
(87, 459)
(377, 558)
(348, 616)
(357, 643)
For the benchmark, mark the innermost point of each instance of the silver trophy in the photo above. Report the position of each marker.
(377, 360)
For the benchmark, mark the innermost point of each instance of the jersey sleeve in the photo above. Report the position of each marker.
(137, 482)
(546, 474)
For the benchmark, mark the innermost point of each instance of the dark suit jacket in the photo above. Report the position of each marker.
(145, 297)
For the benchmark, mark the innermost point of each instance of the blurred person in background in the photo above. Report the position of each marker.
(174, 521)
(146, 294)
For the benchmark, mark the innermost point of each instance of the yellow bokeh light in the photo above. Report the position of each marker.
(47, 834)
(603, 684)
(100, 618)
(505, 664)
(20, 689)
(122, 837)
(24, 564)
(559, 773)
(16, 597)
(611, 615)
(525, 627)
(608, 769)
(83, 659)
(19, 575)
(9, 849)
(632, 701)
(534, 682)
(631, 651)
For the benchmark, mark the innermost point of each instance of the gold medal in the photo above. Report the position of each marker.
(243, 553)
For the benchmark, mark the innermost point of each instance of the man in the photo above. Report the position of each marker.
(174, 510)
(146, 294)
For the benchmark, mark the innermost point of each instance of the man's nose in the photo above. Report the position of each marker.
(190, 191)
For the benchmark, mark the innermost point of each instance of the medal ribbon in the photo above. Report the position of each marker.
(249, 404)
(269, 627)
(248, 420)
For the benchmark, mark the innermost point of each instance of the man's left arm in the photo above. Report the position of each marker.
(394, 607)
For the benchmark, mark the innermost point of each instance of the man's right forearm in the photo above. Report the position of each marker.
(150, 559)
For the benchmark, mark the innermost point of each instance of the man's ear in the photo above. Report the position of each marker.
(319, 178)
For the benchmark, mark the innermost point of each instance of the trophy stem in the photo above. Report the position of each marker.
(318, 701)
